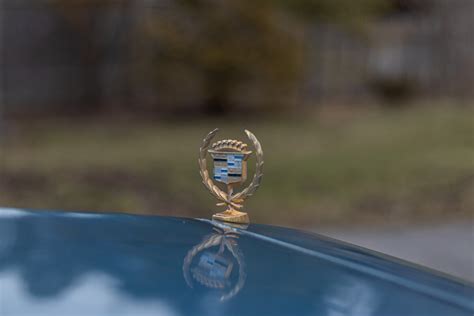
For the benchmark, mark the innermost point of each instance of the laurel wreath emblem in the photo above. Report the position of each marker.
(235, 200)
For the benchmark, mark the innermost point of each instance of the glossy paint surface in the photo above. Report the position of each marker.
(97, 264)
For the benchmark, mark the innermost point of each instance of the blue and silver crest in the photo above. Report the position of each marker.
(230, 161)
(228, 167)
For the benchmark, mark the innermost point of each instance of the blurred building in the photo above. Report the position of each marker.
(54, 61)
(421, 47)
(50, 60)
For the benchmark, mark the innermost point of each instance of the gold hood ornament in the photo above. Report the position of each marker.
(230, 168)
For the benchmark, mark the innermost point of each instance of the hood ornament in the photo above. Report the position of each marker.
(230, 168)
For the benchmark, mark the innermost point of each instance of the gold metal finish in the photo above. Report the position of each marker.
(230, 168)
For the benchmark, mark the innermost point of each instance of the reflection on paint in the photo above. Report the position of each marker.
(351, 297)
(93, 294)
(217, 263)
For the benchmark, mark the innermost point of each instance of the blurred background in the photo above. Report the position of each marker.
(364, 110)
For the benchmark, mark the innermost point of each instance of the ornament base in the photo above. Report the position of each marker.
(232, 216)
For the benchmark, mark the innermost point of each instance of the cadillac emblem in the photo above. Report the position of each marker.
(230, 170)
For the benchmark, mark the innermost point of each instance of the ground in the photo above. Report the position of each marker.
(448, 248)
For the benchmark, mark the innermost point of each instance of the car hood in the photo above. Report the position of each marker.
(54, 263)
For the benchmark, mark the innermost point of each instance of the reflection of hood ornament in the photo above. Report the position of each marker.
(217, 263)
(230, 168)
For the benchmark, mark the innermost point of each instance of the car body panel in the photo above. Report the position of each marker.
(54, 263)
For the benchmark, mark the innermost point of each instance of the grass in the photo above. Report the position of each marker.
(333, 166)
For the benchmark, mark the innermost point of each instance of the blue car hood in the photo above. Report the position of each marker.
(110, 264)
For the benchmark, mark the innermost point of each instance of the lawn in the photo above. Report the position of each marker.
(336, 165)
